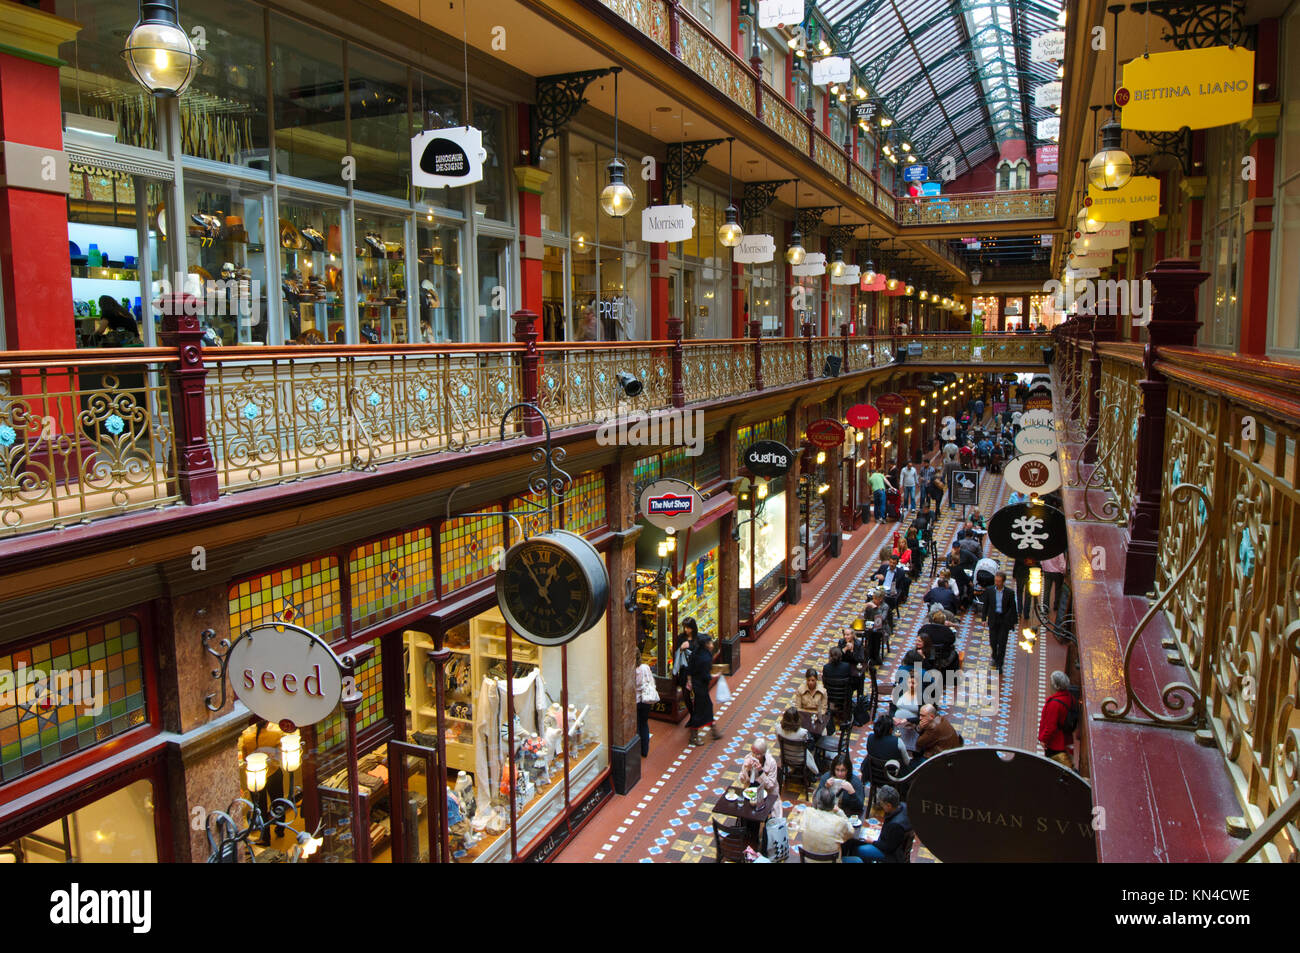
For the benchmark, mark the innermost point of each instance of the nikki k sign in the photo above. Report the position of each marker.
(447, 157)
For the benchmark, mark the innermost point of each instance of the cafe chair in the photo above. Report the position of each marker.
(794, 762)
(884, 772)
(904, 853)
(812, 857)
(729, 843)
(839, 699)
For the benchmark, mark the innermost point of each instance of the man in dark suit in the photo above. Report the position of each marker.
(895, 581)
(1000, 611)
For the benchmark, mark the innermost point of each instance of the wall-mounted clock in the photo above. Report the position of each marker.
(552, 587)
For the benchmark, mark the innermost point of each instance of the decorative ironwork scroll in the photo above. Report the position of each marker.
(810, 218)
(1193, 26)
(559, 97)
(841, 236)
(758, 196)
(1177, 695)
(1176, 145)
(686, 159)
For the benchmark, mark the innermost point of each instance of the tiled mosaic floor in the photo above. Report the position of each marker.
(671, 822)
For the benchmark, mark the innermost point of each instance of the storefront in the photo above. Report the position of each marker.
(761, 519)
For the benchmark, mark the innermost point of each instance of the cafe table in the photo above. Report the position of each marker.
(752, 816)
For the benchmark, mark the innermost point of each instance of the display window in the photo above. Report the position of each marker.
(441, 274)
(381, 278)
(380, 132)
(118, 828)
(309, 114)
(762, 549)
(494, 288)
(114, 234)
(311, 250)
(93, 78)
(225, 248)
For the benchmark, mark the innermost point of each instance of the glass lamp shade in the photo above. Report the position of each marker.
(255, 771)
(924, 295)
(892, 284)
(1086, 223)
(836, 267)
(616, 198)
(909, 289)
(729, 232)
(794, 253)
(976, 276)
(291, 751)
(869, 272)
(161, 57)
(1112, 167)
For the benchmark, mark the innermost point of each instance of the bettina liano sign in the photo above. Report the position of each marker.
(285, 674)
(447, 157)
(667, 223)
(1134, 202)
(1199, 89)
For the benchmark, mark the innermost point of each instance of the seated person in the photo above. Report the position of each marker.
(826, 830)
(914, 542)
(850, 794)
(893, 835)
(853, 650)
(959, 576)
(936, 733)
(836, 669)
(941, 637)
(967, 530)
(944, 594)
(810, 696)
(894, 581)
(790, 729)
(905, 702)
(902, 551)
(884, 745)
(985, 570)
(924, 519)
(977, 520)
(760, 770)
(971, 549)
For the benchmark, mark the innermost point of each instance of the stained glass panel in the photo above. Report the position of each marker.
(467, 544)
(332, 732)
(389, 576)
(306, 595)
(584, 508)
(69, 694)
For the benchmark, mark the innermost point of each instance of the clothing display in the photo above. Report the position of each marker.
(490, 748)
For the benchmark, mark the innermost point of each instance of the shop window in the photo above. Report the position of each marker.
(440, 280)
(803, 98)
(380, 131)
(494, 284)
(584, 506)
(553, 191)
(115, 829)
(381, 278)
(306, 595)
(225, 248)
(223, 113)
(94, 80)
(698, 579)
(311, 242)
(1284, 315)
(106, 259)
(391, 575)
(1222, 248)
(309, 96)
(467, 544)
(491, 195)
(773, 429)
(68, 694)
(762, 550)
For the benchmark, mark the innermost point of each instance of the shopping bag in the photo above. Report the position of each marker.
(778, 840)
(724, 693)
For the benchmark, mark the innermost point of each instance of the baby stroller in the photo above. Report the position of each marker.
(893, 500)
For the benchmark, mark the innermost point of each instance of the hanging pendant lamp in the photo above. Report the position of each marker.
(729, 232)
(616, 198)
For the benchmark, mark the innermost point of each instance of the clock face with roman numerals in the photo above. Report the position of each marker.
(552, 588)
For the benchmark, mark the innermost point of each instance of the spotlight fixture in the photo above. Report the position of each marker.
(630, 386)
(158, 53)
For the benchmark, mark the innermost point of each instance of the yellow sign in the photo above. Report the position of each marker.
(1138, 200)
(1195, 88)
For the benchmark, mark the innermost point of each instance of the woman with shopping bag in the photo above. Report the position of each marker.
(682, 662)
(701, 672)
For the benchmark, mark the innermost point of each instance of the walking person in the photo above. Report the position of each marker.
(646, 695)
(879, 484)
(1053, 583)
(1000, 611)
(908, 480)
(701, 671)
(1058, 721)
(682, 662)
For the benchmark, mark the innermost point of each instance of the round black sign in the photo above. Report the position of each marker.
(769, 458)
(1029, 531)
(1001, 805)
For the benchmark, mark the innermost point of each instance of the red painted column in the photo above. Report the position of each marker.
(1193, 187)
(738, 316)
(530, 181)
(34, 259)
(1257, 257)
